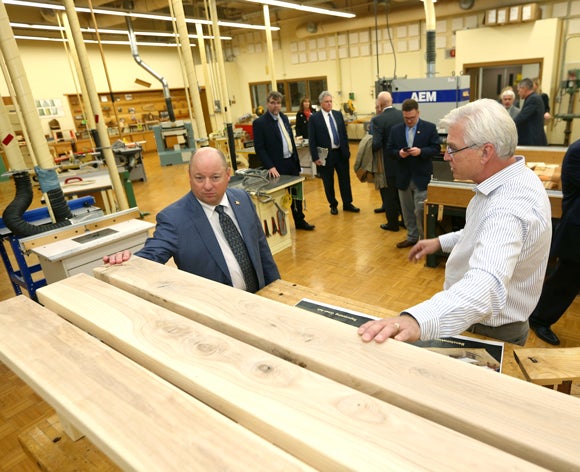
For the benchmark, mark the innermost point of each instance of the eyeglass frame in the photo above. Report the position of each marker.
(449, 150)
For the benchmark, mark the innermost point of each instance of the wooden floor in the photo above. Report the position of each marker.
(347, 254)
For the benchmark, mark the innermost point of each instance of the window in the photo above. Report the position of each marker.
(293, 90)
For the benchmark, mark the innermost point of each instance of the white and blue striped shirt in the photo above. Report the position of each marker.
(496, 268)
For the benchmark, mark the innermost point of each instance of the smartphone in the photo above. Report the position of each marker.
(406, 149)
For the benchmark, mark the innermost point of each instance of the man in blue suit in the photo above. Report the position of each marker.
(563, 283)
(189, 230)
(275, 147)
(530, 119)
(413, 144)
(326, 130)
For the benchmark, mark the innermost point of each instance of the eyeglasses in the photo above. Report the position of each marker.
(449, 150)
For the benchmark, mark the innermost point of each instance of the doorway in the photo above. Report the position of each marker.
(488, 79)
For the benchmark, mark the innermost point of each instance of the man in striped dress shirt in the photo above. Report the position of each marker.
(496, 266)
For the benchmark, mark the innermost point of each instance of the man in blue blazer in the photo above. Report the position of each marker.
(561, 286)
(326, 129)
(413, 144)
(189, 229)
(530, 119)
(275, 147)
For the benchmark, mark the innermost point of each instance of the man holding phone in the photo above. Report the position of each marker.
(413, 144)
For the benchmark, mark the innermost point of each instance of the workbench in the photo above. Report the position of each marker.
(268, 196)
(89, 181)
(175, 372)
(451, 199)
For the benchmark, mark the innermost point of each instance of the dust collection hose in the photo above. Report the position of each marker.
(12, 215)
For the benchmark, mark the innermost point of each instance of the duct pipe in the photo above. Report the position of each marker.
(138, 60)
(222, 75)
(430, 27)
(87, 76)
(270, 48)
(87, 109)
(9, 142)
(31, 121)
(179, 14)
(209, 93)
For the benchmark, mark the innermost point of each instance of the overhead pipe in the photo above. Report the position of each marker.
(138, 60)
(95, 102)
(9, 143)
(179, 14)
(270, 47)
(222, 73)
(430, 27)
(209, 92)
(41, 155)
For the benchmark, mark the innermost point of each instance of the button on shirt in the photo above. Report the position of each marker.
(233, 266)
(496, 268)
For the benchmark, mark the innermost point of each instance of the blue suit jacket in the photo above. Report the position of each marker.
(567, 233)
(268, 144)
(414, 168)
(319, 136)
(184, 233)
(530, 122)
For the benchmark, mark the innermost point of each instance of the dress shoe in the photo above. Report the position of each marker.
(304, 225)
(379, 210)
(546, 334)
(406, 243)
(387, 227)
(351, 208)
(333, 211)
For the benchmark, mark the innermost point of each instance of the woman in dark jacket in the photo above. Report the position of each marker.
(304, 112)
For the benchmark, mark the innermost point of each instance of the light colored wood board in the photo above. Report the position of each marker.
(50, 448)
(549, 154)
(290, 293)
(510, 414)
(549, 366)
(324, 423)
(138, 420)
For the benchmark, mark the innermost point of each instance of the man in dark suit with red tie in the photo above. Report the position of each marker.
(275, 147)
(326, 130)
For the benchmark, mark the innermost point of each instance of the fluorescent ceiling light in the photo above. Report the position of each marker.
(112, 31)
(297, 6)
(101, 11)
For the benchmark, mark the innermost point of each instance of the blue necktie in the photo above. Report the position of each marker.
(239, 249)
(335, 140)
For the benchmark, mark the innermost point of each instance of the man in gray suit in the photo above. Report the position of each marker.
(381, 124)
(190, 231)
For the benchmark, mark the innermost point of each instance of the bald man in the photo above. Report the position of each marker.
(381, 124)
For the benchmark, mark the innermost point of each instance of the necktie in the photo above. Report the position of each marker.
(239, 249)
(285, 138)
(335, 140)
(410, 136)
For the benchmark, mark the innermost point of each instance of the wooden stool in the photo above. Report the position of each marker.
(53, 451)
(549, 367)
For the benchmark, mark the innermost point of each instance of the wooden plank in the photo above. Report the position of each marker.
(515, 416)
(549, 366)
(138, 420)
(326, 424)
(547, 154)
(290, 294)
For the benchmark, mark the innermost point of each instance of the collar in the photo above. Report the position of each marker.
(501, 177)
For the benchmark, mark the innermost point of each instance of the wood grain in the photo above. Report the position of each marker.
(507, 413)
(138, 420)
(549, 366)
(325, 424)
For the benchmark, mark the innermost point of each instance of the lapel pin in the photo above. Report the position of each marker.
(237, 203)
